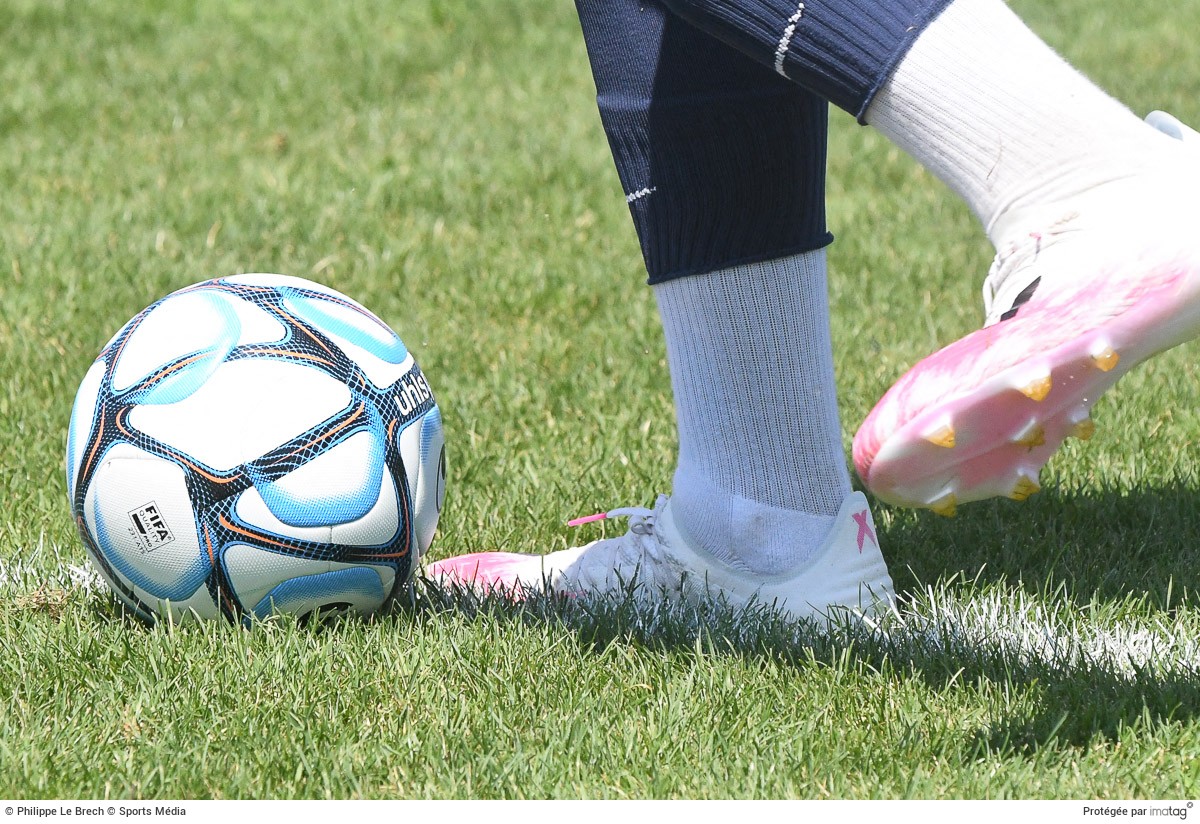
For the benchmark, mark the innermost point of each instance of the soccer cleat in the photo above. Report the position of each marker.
(1070, 309)
(653, 559)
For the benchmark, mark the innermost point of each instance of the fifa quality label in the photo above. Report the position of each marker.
(150, 529)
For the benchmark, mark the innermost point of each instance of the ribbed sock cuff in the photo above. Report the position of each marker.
(723, 181)
(721, 160)
(842, 50)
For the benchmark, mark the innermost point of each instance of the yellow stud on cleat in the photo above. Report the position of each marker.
(1033, 436)
(1024, 488)
(1106, 359)
(1084, 430)
(1037, 390)
(942, 437)
(946, 506)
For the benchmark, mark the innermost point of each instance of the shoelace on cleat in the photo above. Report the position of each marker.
(638, 516)
(639, 544)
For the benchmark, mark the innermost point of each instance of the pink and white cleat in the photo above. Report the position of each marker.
(1070, 309)
(846, 575)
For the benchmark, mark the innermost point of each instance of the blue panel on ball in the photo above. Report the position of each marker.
(366, 333)
(301, 595)
(349, 492)
(187, 581)
(182, 381)
(80, 428)
(431, 432)
(179, 380)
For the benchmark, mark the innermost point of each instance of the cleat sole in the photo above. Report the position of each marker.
(943, 437)
(1023, 489)
(946, 506)
(1031, 436)
(1107, 360)
(1038, 390)
(1079, 342)
(1084, 430)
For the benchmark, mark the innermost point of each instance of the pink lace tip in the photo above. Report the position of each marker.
(587, 519)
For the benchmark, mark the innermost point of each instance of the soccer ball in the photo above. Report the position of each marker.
(253, 445)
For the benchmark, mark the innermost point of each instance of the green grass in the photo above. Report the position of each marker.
(443, 163)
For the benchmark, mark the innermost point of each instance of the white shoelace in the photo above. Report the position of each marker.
(641, 519)
(639, 544)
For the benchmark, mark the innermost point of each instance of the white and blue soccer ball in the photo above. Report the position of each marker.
(253, 445)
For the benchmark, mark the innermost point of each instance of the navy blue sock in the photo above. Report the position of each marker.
(721, 159)
(843, 50)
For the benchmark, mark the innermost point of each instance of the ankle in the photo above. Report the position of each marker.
(997, 115)
(1101, 189)
(744, 534)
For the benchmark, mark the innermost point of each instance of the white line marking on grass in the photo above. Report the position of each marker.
(1015, 627)
(44, 568)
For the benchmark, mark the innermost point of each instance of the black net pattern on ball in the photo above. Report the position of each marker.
(214, 492)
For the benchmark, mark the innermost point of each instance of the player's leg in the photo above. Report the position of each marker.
(722, 163)
(1089, 209)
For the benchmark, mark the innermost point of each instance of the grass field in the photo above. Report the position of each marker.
(443, 163)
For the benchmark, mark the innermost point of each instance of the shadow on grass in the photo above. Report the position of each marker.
(1097, 544)
(1072, 600)
(1090, 551)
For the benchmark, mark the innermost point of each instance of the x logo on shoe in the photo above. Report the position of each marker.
(864, 528)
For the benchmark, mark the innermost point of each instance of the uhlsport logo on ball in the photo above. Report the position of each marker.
(254, 445)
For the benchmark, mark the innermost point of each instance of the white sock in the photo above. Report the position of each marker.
(762, 471)
(990, 109)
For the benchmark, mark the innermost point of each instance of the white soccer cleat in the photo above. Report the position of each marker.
(846, 575)
(1070, 308)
